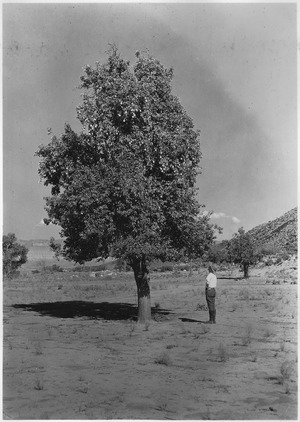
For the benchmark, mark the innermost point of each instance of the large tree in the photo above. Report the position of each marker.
(125, 186)
(241, 250)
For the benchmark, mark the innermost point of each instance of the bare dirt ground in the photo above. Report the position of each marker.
(72, 349)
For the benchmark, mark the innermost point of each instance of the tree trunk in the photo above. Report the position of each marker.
(246, 270)
(142, 279)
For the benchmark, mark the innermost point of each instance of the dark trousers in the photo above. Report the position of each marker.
(211, 298)
(210, 295)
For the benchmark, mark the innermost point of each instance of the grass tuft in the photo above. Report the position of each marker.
(244, 294)
(38, 385)
(268, 332)
(247, 337)
(163, 359)
(253, 355)
(282, 346)
(222, 355)
(286, 370)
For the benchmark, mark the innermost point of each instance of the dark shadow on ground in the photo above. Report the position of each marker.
(192, 320)
(230, 278)
(90, 310)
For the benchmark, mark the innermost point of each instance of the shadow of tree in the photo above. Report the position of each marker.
(90, 310)
(230, 278)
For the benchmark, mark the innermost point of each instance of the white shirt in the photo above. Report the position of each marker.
(211, 280)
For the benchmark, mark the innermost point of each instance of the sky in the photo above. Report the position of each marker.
(235, 73)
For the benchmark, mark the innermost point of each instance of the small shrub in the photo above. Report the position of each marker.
(38, 350)
(201, 307)
(165, 268)
(286, 370)
(268, 292)
(184, 330)
(132, 329)
(284, 256)
(38, 385)
(282, 346)
(268, 332)
(84, 389)
(244, 294)
(253, 356)
(222, 353)
(247, 337)
(170, 346)
(162, 405)
(271, 308)
(269, 262)
(205, 329)
(163, 359)
(55, 269)
(234, 307)
(157, 305)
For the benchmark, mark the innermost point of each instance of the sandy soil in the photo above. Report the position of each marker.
(72, 349)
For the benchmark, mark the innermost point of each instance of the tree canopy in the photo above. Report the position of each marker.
(14, 254)
(124, 186)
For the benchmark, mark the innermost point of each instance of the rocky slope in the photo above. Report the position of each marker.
(279, 234)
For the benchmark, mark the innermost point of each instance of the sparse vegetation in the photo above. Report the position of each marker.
(244, 294)
(268, 332)
(103, 344)
(132, 329)
(286, 371)
(222, 353)
(282, 346)
(163, 359)
(234, 307)
(38, 385)
(38, 349)
(247, 337)
(268, 292)
(204, 329)
(170, 346)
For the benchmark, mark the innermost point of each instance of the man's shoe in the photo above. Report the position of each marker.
(210, 318)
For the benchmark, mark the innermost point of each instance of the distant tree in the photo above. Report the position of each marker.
(218, 252)
(55, 247)
(241, 250)
(125, 186)
(14, 255)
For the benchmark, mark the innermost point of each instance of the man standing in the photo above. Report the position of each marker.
(210, 294)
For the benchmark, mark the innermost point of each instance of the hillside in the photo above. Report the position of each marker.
(279, 234)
